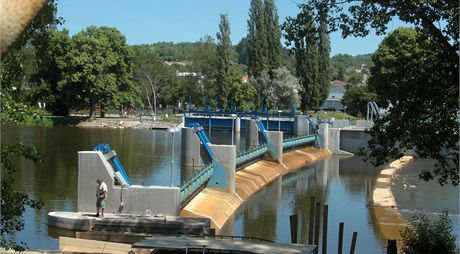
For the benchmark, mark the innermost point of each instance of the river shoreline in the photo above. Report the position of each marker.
(388, 219)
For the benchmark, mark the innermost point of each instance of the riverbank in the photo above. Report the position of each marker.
(218, 205)
(387, 218)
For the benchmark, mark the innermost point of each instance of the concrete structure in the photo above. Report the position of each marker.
(334, 142)
(252, 134)
(301, 127)
(351, 139)
(219, 206)
(237, 125)
(226, 157)
(275, 150)
(190, 148)
(137, 199)
(324, 135)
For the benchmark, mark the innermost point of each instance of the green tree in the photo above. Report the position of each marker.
(203, 63)
(242, 50)
(413, 75)
(324, 49)
(52, 56)
(13, 202)
(153, 77)
(99, 67)
(429, 110)
(273, 36)
(356, 98)
(257, 44)
(242, 94)
(425, 236)
(301, 36)
(223, 64)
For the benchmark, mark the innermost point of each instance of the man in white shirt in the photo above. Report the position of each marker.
(101, 195)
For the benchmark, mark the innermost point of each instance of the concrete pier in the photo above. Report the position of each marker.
(324, 135)
(237, 125)
(275, 151)
(219, 205)
(301, 126)
(137, 199)
(226, 156)
(190, 152)
(252, 134)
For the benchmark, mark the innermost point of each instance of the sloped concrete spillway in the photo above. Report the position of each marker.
(218, 205)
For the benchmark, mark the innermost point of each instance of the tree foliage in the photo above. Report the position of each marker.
(223, 64)
(257, 39)
(324, 49)
(413, 75)
(427, 100)
(302, 37)
(356, 98)
(273, 36)
(425, 236)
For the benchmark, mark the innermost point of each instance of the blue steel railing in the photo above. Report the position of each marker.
(298, 141)
(252, 154)
(196, 181)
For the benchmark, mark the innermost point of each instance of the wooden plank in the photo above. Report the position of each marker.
(91, 246)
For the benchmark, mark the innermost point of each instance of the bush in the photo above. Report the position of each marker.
(425, 236)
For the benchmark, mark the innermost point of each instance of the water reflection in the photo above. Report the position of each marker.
(344, 184)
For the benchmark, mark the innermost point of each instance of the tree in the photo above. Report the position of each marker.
(301, 36)
(99, 67)
(242, 50)
(413, 75)
(13, 202)
(153, 77)
(425, 236)
(242, 94)
(203, 62)
(273, 36)
(429, 110)
(324, 59)
(257, 39)
(286, 89)
(224, 49)
(356, 98)
(53, 66)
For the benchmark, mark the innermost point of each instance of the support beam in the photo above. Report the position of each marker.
(237, 125)
(324, 135)
(275, 149)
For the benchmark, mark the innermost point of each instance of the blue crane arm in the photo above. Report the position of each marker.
(204, 139)
(261, 127)
(312, 126)
(105, 148)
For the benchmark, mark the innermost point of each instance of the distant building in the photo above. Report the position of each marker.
(334, 99)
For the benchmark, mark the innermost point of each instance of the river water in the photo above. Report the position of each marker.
(344, 184)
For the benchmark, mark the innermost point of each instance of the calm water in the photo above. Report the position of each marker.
(345, 184)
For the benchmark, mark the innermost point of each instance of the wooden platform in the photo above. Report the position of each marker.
(212, 245)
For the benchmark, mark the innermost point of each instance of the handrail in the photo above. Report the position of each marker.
(235, 237)
(251, 154)
(195, 181)
(296, 141)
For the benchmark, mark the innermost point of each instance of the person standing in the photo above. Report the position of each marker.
(101, 195)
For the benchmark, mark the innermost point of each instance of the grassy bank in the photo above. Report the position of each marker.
(54, 120)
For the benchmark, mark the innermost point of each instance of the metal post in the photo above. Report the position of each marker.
(353, 243)
(172, 158)
(311, 220)
(325, 219)
(233, 120)
(293, 224)
(317, 224)
(340, 238)
(279, 120)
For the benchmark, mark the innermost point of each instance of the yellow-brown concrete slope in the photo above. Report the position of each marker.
(386, 216)
(218, 205)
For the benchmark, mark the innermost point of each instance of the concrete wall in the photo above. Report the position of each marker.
(275, 138)
(92, 164)
(190, 148)
(252, 134)
(301, 126)
(334, 142)
(226, 156)
(352, 139)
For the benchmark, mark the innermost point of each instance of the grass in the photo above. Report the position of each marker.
(333, 114)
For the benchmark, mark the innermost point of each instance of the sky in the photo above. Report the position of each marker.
(150, 21)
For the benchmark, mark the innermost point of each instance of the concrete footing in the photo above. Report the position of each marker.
(324, 135)
(334, 142)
